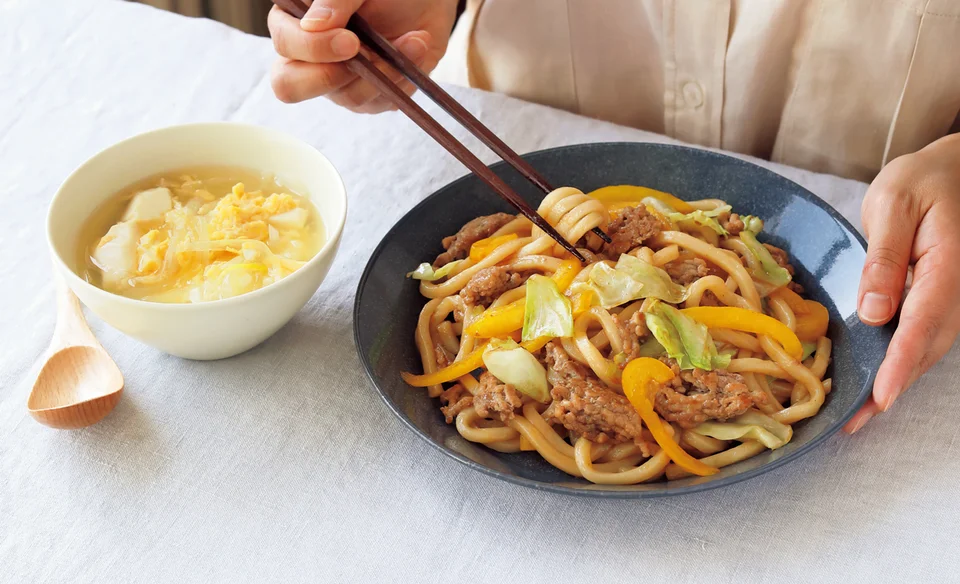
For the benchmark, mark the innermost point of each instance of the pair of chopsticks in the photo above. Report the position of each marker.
(366, 70)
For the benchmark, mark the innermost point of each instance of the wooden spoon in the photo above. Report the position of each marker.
(79, 384)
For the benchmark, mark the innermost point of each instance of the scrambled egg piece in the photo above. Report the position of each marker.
(243, 215)
(192, 246)
(151, 249)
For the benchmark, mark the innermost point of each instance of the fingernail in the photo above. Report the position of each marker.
(316, 18)
(345, 44)
(862, 422)
(415, 49)
(875, 307)
(888, 403)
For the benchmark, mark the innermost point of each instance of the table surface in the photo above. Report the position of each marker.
(282, 464)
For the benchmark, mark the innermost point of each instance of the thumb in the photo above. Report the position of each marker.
(890, 226)
(328, 14)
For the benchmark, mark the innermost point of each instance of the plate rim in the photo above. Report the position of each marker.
(599, 491)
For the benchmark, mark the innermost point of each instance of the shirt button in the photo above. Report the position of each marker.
(692, 94)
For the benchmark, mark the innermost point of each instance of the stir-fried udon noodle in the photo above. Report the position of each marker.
(681, 346)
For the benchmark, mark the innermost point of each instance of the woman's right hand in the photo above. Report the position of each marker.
(312, 50)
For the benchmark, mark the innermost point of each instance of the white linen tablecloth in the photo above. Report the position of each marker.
(282, 464)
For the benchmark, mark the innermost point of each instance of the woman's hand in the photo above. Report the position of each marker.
(312, 50)
(911, 215)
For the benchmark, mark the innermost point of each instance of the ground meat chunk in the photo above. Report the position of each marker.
(454, 400)
(629, 228)
(583, 406)
(686, 272)
(586, 408)
(560, 366)
(589, 255)
(733, 223)
(632, 331)
(494, 398)
(442, 356)
(488, 284)
(710, 299)
(458, 246)
(780, 257)
(715, 270)
(695, 396)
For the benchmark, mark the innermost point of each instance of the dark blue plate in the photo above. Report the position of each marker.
(826, 250)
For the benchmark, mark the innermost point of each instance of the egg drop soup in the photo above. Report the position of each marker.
(199, 234)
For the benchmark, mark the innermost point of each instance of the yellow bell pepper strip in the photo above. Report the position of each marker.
(614, 207)
(484, 247)
(453, 371)
(535, 344)
(503, 320)
(797, 304)
(812, 325)
(582, 302)
(466, 365)
(635, 195)
(637, 378)
(741, 319)
(499, 321)
(565, 274)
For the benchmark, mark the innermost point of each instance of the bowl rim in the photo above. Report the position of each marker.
(329, 246)
(604, 491)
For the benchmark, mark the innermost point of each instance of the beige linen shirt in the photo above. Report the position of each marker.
(837, 86)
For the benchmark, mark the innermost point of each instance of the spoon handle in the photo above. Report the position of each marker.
(71, 326)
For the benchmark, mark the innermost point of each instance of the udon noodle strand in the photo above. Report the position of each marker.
(467, 426)
(717, 256)
(425, 343)
(704, 444)
(719, 288)
(649, 470)
(604, 368)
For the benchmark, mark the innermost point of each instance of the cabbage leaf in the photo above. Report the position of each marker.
(656, 282)
(661, 206)
(704, 218)
(768, 269)
(751, 425)
(427, 272)
(651, 348)
(752, 223)
(685, 340)
(514, 365)
(547, 312)
(631, 279)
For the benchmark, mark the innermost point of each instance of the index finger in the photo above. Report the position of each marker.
(327, 14)
(293, 42)
(927, 327)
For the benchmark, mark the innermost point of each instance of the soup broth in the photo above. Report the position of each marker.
(199, 234)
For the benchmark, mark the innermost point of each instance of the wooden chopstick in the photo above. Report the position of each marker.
(366, 70)
(386, 51)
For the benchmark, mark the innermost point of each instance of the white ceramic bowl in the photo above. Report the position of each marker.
(209, 330)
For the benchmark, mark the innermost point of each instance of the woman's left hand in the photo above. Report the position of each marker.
(911, 216)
